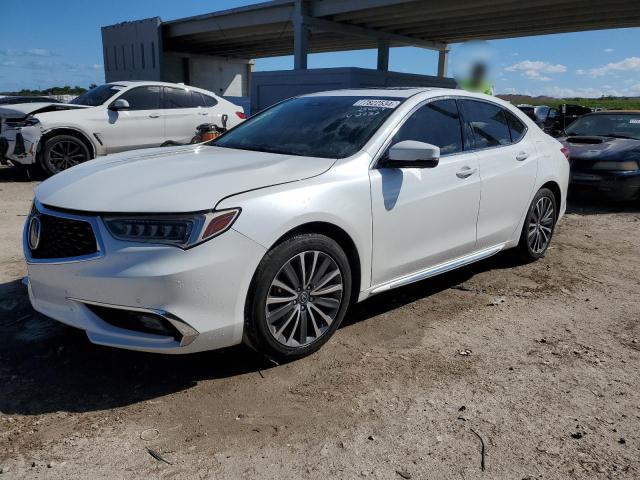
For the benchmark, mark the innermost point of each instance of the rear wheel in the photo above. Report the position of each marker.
(299, 296)
(539, 225)
(61, 152)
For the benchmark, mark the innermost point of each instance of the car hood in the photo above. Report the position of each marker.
(171, 180)
(601, 148)
(19, 110)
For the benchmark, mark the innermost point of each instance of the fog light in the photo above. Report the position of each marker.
(153, 323)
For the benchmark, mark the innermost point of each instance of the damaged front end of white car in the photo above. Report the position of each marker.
(21, 131)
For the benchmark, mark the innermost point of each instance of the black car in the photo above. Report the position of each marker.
(13, 100)
(605, 153)
(552, 120)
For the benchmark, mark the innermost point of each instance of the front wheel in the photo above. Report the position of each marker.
(62, 152)
(538, 225)
(298, 297)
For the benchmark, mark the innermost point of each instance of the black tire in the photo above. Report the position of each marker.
(259, 329)
(61, 152)
(539, 226)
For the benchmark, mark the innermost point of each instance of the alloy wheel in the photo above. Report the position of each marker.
(541, 225)
(65, 154)
(304, 298)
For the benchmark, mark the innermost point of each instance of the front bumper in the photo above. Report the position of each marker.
(203, 289)
(20, 145)
(622, 185)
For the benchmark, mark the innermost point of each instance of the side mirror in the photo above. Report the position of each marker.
(413, 154)
(119, 104)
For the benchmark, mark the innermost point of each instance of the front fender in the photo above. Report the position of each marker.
(340, 197)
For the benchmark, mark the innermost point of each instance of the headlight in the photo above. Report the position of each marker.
(183, 231)
(616, 166)
(25, 122)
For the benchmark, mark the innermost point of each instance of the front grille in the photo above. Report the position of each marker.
(64, 238)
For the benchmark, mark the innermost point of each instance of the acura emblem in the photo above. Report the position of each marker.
(35, 227)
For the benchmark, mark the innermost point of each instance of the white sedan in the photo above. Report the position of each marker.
(268, 234)
(111, 118)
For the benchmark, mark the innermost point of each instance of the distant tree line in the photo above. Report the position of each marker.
(66, 90)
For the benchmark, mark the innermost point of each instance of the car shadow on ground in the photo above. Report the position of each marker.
(596, 204)
(48, 367)
(11, 174)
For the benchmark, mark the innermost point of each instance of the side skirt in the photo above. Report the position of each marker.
(435, 270)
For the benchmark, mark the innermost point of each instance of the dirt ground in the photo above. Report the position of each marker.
(540, 361)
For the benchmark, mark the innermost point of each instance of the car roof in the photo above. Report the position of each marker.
(132, 83)
(396, 92)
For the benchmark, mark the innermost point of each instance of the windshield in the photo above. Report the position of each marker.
(621, 125)
(97, 96)
(317, 126)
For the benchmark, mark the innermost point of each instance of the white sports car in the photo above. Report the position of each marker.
(270, 232)
(111, 118)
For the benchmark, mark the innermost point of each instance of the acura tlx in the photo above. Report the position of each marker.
(268, 233)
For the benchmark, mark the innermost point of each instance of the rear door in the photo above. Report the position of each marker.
(508, 163)
(140, 126)
(183, 111)
(425, 216)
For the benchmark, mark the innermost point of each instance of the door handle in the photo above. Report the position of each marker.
(522, 156)
(204, 113)
(466, 172)
(154, 115)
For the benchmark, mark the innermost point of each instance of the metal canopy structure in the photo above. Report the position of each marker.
(299, 27)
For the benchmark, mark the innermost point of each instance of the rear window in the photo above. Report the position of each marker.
(516, 127)
(488, 123)
(177, 98)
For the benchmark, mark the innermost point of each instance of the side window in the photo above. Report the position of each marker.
(209, 101)
(437, 123)
(196, 98)
(488, 123)
(516, 127)
(177, 98)
(552, 113)
(142, 98)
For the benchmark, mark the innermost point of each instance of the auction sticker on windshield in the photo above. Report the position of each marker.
(377, 103)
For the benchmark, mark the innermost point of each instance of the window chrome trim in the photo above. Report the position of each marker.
(92, 220)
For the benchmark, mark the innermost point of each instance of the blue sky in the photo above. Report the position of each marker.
(44, 43)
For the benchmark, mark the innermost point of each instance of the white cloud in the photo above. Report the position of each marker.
(629, 64)
(608, 50)
(40, 52)
(536, 69)
(32, 52)
(582, 92)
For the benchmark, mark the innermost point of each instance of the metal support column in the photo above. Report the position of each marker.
(300, 36)
(443, 61)
(383, 55)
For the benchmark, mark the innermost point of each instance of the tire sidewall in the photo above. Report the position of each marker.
(45, 162)
(257, 333)
(524, 244)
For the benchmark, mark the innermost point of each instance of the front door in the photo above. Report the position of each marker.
(425, 216)
(139, 126)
